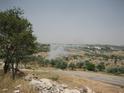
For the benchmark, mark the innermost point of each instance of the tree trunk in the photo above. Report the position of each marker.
(16, 68)
(6, 67)
(13, 71)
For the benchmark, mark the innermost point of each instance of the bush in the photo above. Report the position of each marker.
(89, 66)
(53, 62)
(60, 64)
(100, 66)
(115, 70)
(42, 61)
(46, 62)
(121, 70)
(112, 70)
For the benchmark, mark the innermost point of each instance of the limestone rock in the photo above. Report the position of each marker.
(48, 86)
(5, 89)
(16, 91)
(18, 86)
(89, 90)
(71, 91)
(46, 83)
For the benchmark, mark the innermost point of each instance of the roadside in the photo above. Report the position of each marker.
(106, 78)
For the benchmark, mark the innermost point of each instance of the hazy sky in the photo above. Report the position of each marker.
(74, 21)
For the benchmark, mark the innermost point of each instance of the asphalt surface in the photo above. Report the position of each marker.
(106, 78)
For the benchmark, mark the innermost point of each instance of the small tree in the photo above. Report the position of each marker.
(16, 39)
(89, 66)
(100, 66)
(60, 64)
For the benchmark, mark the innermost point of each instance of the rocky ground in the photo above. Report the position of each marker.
(48, 86)
(49, 80)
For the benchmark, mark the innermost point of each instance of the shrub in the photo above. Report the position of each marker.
(40, 60)
(46, 62)
(100, 66)
(72, 66)
(60, 64)
(115, 70)
(53, 62)
(89, 66)
(121, 70)
(112, 70)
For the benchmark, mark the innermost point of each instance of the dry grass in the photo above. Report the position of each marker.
(6, 82)
(96, 86)
(74, 82)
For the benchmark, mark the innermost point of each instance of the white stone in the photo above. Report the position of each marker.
(46, 83)
(18, 86)
(5, 89)
(64, 86)
(89, 90)
(71, 91)
(16, 91)
(48, 86)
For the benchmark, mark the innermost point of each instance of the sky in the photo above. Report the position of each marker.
(73, 21)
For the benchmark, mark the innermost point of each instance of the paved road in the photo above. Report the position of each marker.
(111, 79)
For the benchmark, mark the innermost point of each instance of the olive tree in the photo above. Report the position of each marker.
(16, 38)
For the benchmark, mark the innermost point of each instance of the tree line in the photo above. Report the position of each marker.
(81, 65)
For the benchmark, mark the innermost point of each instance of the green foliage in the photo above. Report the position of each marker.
(72, 66)
(61, 64)
(16, 33)
(101, 66)
(43, 47)
(121, 70)
(89, 66)
(42, 61)
(53, 62)
(115, 70)
(1, 54)
(16, 38)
